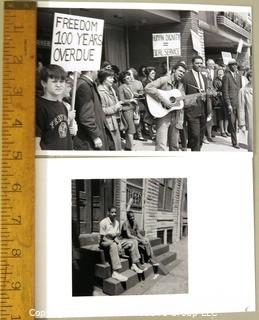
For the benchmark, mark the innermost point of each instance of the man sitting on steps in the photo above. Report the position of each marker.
(130, 230)
(112, 244)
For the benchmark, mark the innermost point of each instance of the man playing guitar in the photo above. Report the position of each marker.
(168, 126)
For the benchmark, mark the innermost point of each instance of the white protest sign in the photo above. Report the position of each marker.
(166, 44)
(77, 42)
(226, 56)
(240, 45)
(196, 42)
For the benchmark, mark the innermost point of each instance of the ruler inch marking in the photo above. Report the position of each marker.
(17, 183)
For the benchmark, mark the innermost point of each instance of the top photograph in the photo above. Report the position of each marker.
(143, 77)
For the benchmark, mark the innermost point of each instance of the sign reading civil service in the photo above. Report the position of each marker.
(77, 42)
(166, 44)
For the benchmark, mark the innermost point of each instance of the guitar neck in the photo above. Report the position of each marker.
(190, 96)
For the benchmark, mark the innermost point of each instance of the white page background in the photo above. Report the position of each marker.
(220, 240)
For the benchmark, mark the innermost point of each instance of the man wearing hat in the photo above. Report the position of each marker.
(230, 89)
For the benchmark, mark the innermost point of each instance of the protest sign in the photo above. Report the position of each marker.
(77, 42)
(196, 42)
(166, 44)
(226, 56)
(240, 45)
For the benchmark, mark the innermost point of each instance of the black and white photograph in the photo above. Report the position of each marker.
(129, 236)
(144, 77)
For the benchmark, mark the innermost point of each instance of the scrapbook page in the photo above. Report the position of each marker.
(167, 228)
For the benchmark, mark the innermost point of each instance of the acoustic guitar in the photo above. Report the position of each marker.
(174, 97)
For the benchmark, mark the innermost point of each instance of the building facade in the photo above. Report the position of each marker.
(127, 40)
(160, 205)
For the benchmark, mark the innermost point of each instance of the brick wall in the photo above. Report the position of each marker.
(141, 38)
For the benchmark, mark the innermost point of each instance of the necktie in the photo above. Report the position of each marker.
(200, 81)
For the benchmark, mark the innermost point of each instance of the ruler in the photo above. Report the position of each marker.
(17, 161)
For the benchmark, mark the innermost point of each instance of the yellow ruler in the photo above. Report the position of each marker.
(17, 162)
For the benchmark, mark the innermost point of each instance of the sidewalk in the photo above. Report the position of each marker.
(221, 144)
(175, 282)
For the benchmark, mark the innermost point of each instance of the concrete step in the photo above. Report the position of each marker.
(166, 258)
(88, 239)
(164, 261)
(104, 271)
(93, 254)
(160, 249)
(115, 287)
(155, 242)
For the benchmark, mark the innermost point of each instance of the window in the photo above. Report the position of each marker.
(165, 198)
(135, 192)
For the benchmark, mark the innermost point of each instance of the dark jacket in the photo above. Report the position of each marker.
(230, 89)
(90, 117)
(201, 107)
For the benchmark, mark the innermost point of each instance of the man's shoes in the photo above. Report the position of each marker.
(224, 135)
(206, 141)
(140, 138)
(228, 134)
(116, 275)
(211, 140)
(141, 266)
(153, 263)
(136, 269)
(236, 146)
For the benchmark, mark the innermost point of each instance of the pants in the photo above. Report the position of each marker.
(232, 126)
(166, 131)
(146, 250)
(196, 131)
(112, 249)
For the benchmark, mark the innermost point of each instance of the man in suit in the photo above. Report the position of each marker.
(197, 110)
(230, 89)
(168, 126)
(93, 132)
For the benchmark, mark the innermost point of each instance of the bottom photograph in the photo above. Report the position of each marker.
(129, 236)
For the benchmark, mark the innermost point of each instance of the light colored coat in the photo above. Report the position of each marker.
(245, 112)
(109, 100)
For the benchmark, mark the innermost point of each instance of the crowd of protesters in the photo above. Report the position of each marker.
(111, 109)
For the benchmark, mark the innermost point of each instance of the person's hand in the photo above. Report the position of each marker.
(118, 106)
(71, 115)
(209, 117)
(73, 130)
(230, 109)
(98, 143)
(243, 128)
(133, 101)
(167, 105)
(144, 241)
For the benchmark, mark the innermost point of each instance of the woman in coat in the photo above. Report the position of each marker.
(130, 104)
(245, 110)
(219, 104)
(110, 104)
